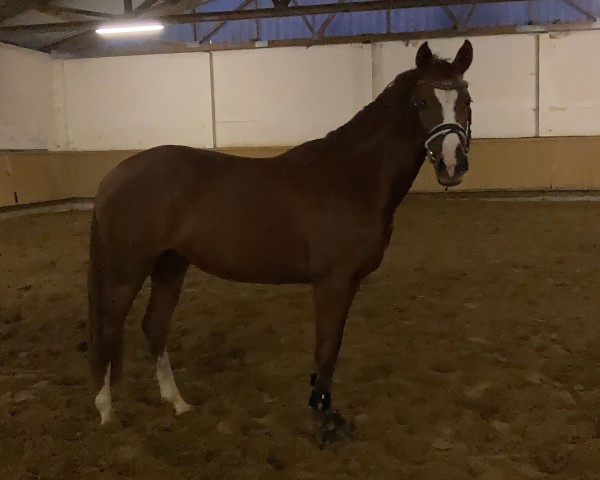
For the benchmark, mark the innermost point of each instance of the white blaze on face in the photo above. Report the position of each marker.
(447, 99)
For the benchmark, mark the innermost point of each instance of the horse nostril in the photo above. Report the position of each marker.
(462, 165)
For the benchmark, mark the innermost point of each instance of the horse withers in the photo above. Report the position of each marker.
(320, 213)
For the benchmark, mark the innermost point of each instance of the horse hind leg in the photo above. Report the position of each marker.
(106, 342)
(167, 279)
(110, 297)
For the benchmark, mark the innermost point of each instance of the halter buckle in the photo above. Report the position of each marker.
(430, 156)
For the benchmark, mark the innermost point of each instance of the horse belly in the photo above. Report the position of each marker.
(248, 253)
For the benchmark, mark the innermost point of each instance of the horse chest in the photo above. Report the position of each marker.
(362, 250)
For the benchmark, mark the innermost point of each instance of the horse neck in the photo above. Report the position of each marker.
(386, 173)
(381, 147)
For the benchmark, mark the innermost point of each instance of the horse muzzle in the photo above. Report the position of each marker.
(449, 176)
(441, 171)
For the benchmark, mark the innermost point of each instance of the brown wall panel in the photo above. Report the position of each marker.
(559, 163)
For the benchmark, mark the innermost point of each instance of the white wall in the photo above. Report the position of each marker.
(570, 84)
(502, 79)
(284, 96)
(26, 119)
(289, 95)
(136, 102)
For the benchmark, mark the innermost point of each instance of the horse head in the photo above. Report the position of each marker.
(443, 103)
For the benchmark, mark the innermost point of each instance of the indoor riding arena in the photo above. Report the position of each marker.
(471, 347)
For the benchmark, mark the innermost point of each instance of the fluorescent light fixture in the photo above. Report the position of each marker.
(117, 29)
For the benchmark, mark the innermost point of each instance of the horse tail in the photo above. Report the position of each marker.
(95, 287)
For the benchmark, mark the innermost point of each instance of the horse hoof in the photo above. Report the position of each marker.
(334, 428)
(109, 423)
(182, 408)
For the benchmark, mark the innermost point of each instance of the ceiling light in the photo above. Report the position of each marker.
(117, 29)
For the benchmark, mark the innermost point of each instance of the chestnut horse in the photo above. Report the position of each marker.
(320, 213)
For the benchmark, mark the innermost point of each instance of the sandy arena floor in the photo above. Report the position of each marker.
(474, 352)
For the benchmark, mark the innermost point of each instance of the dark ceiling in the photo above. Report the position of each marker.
(67, 27)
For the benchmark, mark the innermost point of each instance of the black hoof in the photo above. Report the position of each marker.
(334, 427)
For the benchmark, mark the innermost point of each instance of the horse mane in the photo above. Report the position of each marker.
(392, 107)
(385, 108)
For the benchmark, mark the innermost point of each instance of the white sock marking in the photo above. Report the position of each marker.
(167, 386)
(104, 400)
(447, 99)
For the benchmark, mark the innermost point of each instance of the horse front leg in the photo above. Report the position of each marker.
(333, 297)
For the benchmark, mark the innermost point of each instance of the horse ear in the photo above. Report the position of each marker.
(424, 56)
(464, 57)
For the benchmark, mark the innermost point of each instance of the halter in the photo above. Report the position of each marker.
(443, 129)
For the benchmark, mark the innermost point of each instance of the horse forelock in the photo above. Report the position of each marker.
(442, 72)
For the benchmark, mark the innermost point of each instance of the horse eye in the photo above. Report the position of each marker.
(422, 104)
